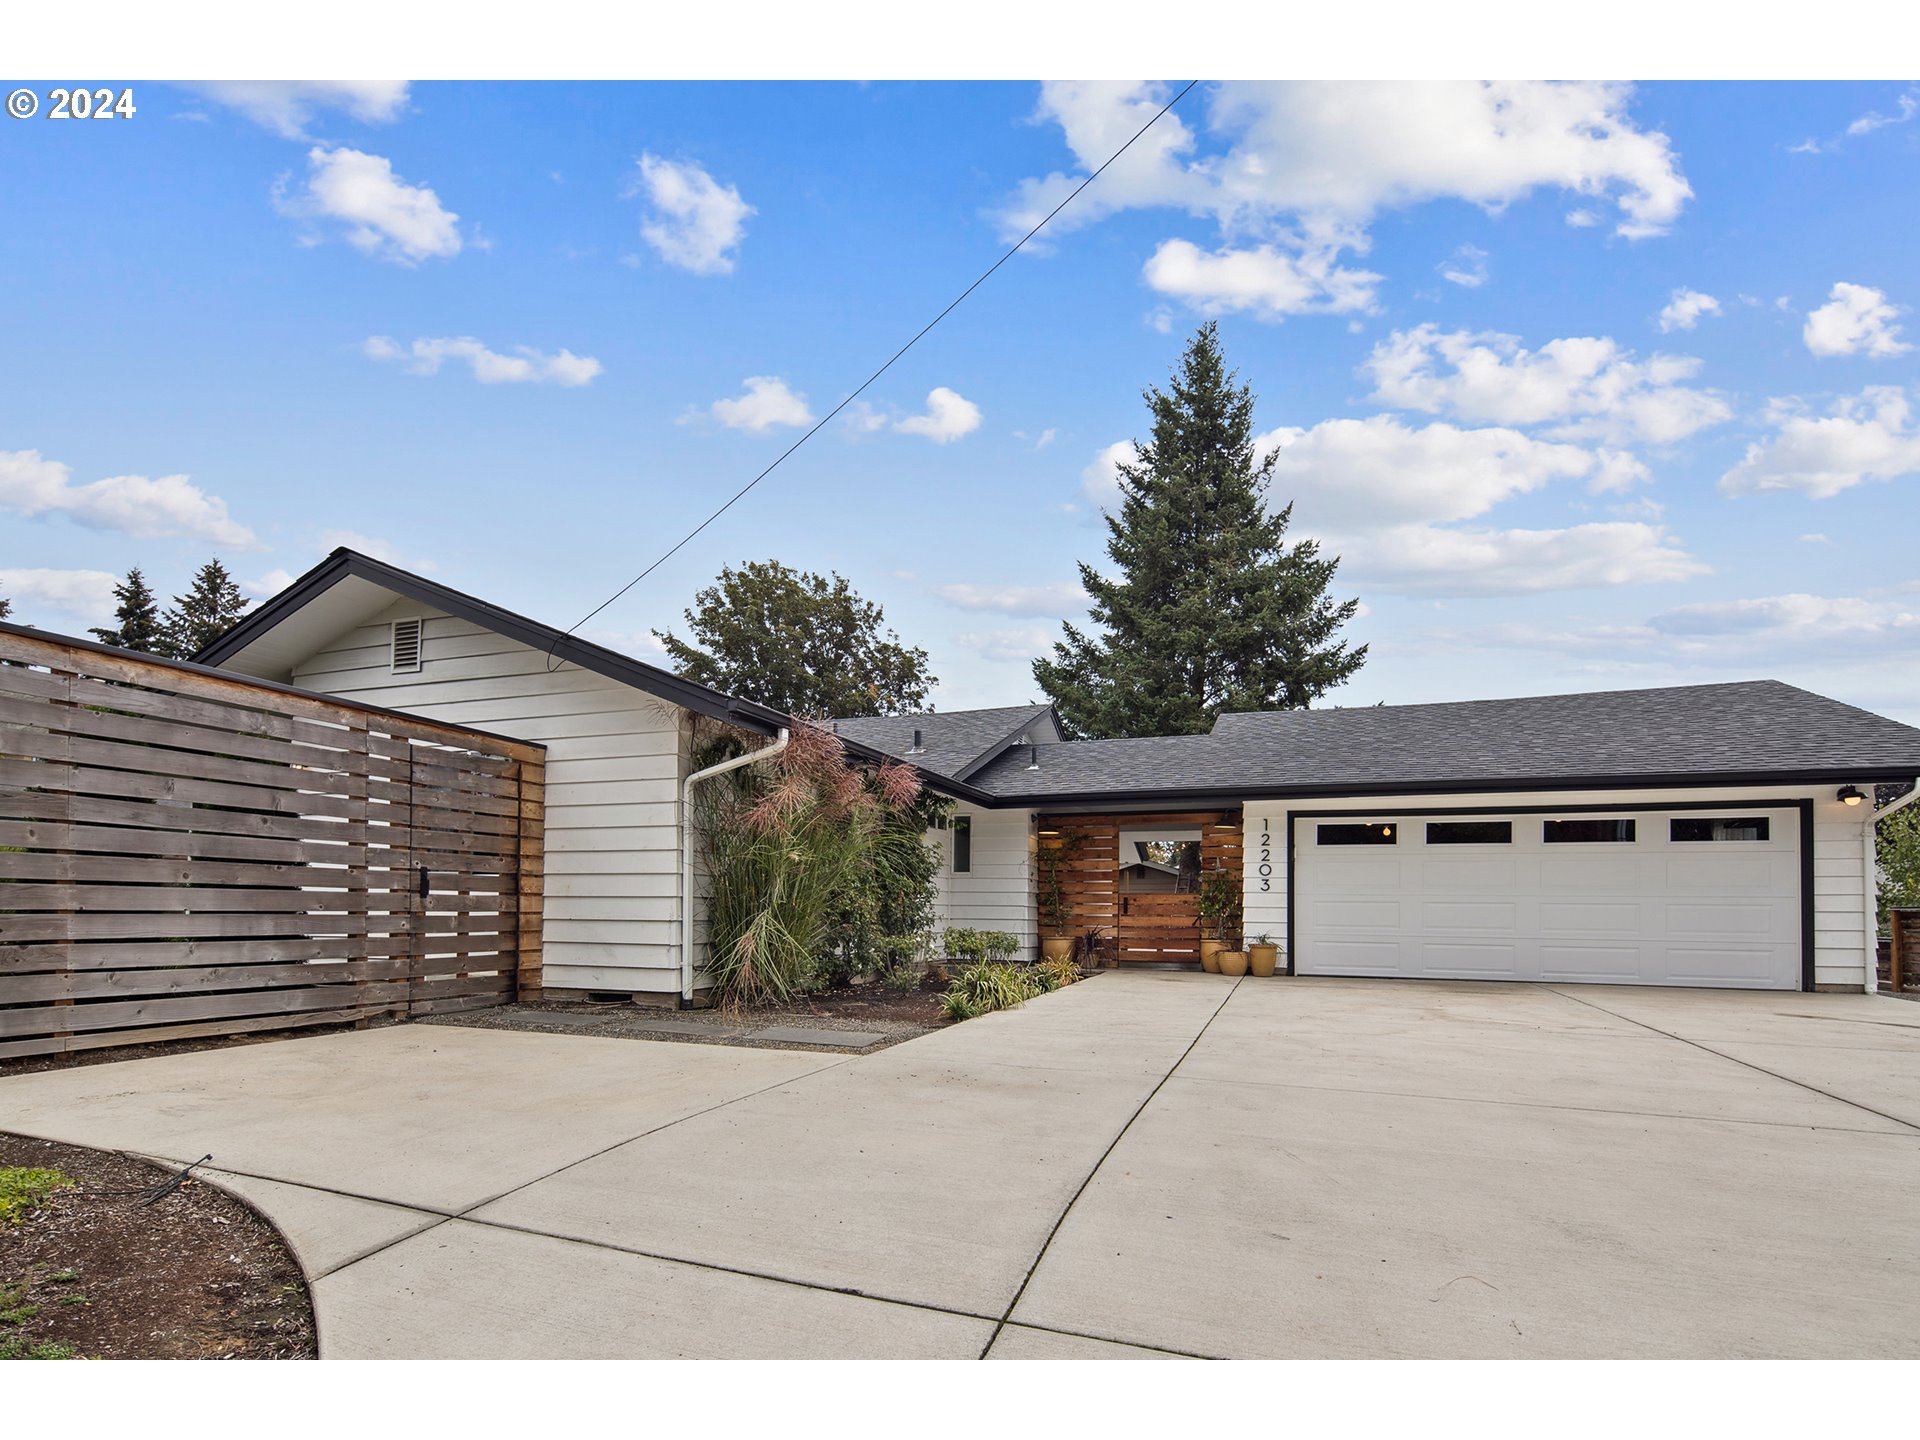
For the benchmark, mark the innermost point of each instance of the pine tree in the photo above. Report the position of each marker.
(6, 607)
(207, 611)
(1211, 609)
(137, 623)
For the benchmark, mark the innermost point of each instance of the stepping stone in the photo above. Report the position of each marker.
(567, 1020)
(812, 1035)
(688, 1027)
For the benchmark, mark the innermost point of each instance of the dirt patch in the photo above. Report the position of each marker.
(196, 1275)
(895, 1015)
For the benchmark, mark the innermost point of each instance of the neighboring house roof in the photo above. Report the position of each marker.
(957, 743)
(1694, 734)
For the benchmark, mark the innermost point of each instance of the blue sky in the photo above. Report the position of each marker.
(1591, 386)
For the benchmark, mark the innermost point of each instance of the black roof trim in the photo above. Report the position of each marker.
(1173, 796)
(688, 694)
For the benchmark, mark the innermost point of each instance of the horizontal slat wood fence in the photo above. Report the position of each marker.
(187, 853)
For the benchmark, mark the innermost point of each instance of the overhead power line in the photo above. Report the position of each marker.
(739, 494)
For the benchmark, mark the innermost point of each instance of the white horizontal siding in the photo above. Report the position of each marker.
(1842, 888)
(997, 892)
(614, 759)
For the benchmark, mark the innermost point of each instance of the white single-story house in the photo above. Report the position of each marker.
(1702, 835)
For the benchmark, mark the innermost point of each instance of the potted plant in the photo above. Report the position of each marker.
(1219, 908)
(1263, 956)
(1056, 907)
(1232, 962)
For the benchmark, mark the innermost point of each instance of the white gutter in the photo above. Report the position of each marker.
(1871, 874)
(752, 757)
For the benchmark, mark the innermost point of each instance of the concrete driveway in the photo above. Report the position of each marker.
(1145, 1166)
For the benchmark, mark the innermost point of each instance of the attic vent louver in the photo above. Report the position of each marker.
(405, 658)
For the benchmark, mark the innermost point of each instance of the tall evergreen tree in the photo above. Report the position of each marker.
(6, 607)
(208, 610)
(1211, 609)
(137, 623)
(799, 642)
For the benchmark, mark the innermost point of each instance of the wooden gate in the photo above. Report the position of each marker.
(1137, 929)
(185, 853)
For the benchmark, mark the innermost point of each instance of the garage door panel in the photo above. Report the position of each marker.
(1653, 910)
(1594, 964)
(1609, 918)
(1589, 873)
(1479, 915)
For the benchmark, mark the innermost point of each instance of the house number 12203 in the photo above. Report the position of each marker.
(1263, 867)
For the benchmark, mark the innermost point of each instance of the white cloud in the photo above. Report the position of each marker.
(1684, 309)
(82, 596)
(1588, 385)
(1855, 319)
(1100, 480)
(1293, 171)
(767, 403)
(1264, 280)
(1814, 537)
(1814, 620)
(1360, 474)
(1869, 436)
(269, 584)
(1466, 266)
(949, 415)
(383, 215)
(1347, 150)
(1051, 600)
(1436, 561)
(694, 222)
(1908, 106)
(1045, 438)
(525, 366)
(1583, 218)
(134, 505)
(1023, 643)
(287, 107)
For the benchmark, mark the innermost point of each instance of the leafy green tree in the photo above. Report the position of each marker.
(1212, 609)
(1896, 848)
(6, 607)
(800, 643)
(209, 609)
(137, 624)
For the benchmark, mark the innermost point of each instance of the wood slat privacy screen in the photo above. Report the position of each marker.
(184, 853)
(1137, 929)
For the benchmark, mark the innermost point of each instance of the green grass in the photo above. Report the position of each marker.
(16, 1347)
(21, 1189)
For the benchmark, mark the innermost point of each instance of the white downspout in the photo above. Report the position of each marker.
(1870, 876)
(752, 757)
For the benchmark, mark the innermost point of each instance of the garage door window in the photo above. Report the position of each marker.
(1469, 832)
(1746, 827)
(1356, 835)
(1587, 832)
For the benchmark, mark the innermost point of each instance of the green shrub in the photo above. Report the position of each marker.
(1056, 974)
(979, 946)
(988, 985)
(22, 1189)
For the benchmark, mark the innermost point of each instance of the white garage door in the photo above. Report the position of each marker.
(1684, 897)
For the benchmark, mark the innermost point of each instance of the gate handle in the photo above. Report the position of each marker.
(423, 882)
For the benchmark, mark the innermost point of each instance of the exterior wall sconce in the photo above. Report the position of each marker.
(1849, 795)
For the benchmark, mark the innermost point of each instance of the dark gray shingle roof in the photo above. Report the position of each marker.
(956, 742)
(1752, 729)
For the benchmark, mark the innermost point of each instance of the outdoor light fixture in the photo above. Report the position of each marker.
(1849, 795)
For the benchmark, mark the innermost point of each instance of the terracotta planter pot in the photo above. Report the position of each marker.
(1210, 955)
(1057, 947)
(1263, 960)
(1233, 962)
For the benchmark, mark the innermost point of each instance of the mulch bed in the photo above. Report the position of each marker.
(196, 1275)
(895, 1014)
